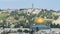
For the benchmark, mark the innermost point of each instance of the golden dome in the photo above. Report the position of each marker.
(39, 20)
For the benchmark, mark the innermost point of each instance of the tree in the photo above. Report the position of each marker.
(53, 25)
(37, 29)
(48, 22)
(4, 25)
(57, 26)
(16, 17)
(31, 32)
(26, 31)
(19, 30)
(17, 25)
(4, 32)
(56, 17)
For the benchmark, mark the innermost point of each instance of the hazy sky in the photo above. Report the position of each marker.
(46, 4)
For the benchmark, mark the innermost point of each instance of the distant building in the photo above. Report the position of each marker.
(40, 27)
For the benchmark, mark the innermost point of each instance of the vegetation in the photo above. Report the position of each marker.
(55, 25)
(3, 15)
(26, 31)
(19, 30)
(19, 18)
(4, 32)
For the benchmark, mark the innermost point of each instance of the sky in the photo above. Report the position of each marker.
(41, 4)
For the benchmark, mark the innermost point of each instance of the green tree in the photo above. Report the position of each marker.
(19, 30)
(26, 31)
(57, 26)
(56, 17)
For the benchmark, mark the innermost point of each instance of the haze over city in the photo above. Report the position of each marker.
(42, 4)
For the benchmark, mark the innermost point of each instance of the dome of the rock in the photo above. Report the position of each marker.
(39, 20)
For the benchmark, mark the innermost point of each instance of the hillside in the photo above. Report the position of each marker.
(27, 16)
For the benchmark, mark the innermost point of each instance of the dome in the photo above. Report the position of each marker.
(39, 20)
